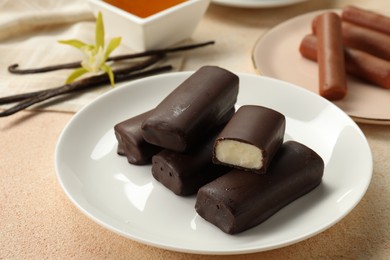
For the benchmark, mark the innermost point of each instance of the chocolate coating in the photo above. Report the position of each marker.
(184, 173)
(240, 200)
(256, 125)
(194, 108)
(131, 142)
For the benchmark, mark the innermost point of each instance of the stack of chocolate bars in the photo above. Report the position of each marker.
(236, 162)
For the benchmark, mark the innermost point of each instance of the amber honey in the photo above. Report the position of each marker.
(144, 8)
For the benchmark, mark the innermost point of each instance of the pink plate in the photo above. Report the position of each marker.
(276, 54)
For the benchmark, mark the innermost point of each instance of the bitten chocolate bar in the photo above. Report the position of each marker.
(240, 200)
(185, 172)
(250, 139)
(131, 142)
(193, 109)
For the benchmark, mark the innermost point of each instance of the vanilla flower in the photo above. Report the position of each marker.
(94, 56)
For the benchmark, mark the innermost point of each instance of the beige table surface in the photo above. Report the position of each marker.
(38, 221)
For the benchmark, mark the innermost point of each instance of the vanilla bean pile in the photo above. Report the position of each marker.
(83, 84)
(15, 67)
(136, 70)
(119, 74)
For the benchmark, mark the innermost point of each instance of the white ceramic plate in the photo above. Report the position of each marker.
(257, 3)
(277, 55)
(127, 200)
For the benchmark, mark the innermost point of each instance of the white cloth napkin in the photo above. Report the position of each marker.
(29, 34)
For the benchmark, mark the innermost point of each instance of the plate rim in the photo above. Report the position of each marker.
(208, 251)
(256, 4)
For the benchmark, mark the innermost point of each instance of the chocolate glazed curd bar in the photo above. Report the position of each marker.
(185, 172)
(131, 142)
(250, 139)
(194, 108)
(240, 200)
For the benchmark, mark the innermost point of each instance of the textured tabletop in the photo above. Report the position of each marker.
(38, 221)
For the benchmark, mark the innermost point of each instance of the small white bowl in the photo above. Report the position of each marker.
(156, 31)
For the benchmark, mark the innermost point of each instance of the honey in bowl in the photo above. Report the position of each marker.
(144, 8)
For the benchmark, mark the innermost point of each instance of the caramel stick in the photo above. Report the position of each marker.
(331, 67)
(367, 40)
(357, 63)
(369, 19)
(361, 38)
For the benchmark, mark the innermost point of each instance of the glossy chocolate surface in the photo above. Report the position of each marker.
(185, 172)
(240, 200)
(257, 125)
(131, 142)
(193, 109)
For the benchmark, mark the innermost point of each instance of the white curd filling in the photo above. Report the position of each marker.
(239, 154)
